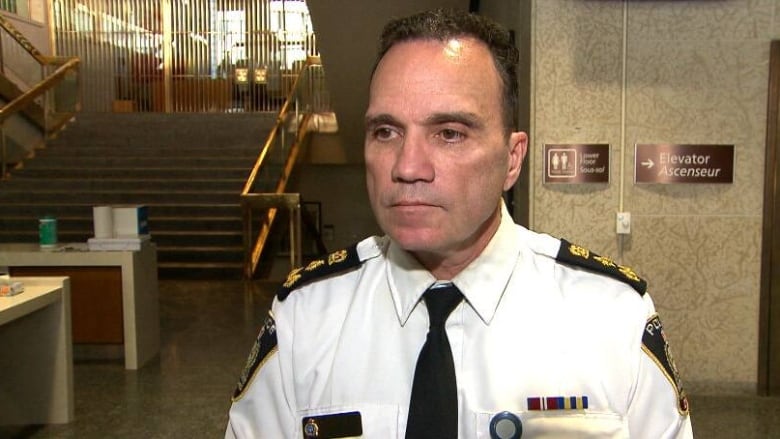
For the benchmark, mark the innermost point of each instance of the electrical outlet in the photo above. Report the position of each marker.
(623, 223)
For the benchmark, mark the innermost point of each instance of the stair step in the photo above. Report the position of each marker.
(62, 151)
(120, 197)
(31, 235)
(200, 254)
(123, 184)
(126, 172)
(182, 270)
(140, 162)
(201, 238)
(37, 210)
(156, 224)
(188, 169)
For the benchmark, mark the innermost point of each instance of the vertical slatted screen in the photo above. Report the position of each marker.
(184, 55)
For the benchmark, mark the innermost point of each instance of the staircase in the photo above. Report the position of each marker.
(188, 168)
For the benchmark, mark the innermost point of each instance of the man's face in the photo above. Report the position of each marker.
(437, 155)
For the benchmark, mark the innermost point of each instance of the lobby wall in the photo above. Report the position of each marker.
(681, 72)
(33, 23)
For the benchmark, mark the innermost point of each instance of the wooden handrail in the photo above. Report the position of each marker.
(250, 182)
(65, 64)
(272, 202)
(23, 41)
(27, 97)
(278, 199)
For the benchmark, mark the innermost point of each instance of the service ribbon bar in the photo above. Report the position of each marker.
(558, 403)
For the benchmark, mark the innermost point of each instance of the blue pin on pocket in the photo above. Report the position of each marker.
(506, 425)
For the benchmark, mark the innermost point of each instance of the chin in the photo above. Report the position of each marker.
(416, 240)
(414, 234)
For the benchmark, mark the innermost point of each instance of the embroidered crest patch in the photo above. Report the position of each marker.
(655, 345)
(332, 263)
(581, 257)
(264, 346)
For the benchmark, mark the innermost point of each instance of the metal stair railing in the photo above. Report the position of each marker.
(53, 90)
(264, 192)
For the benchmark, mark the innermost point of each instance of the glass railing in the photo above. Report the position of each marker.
(264, 192)
(39, 94)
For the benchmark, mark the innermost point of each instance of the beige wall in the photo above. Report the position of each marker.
(695, 72)
(34, 25)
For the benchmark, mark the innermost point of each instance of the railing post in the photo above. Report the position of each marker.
(3, 153)
(282, 138)
(2, 58)
(47, 106)
(296, 238)
(247, 214)
(293, 236)
(299, 115)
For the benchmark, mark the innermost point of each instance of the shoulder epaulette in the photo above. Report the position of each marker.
(581, 257)
(330, 264)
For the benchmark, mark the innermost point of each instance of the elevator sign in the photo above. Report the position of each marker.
(576, 163)
(665, 163)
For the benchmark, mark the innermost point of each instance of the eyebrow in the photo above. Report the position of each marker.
(470, 120)
(381, 119)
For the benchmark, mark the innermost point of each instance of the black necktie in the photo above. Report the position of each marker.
(433, 408)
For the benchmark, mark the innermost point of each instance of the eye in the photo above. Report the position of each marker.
(451, 135)
(384, 133)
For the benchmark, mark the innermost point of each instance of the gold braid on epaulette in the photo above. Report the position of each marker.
(332, 263)
(581, 257)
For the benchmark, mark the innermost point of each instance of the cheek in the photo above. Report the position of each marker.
(376, 175)
(375, 157)
(371, 181)
(480, 184)
(490, 171)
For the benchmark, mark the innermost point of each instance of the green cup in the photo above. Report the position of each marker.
(47, 232)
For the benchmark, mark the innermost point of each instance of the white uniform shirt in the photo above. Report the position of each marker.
(530, 329)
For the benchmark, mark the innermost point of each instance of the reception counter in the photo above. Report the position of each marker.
(114, 294)
(36, 360)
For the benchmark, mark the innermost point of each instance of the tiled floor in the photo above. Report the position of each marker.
(207, 330)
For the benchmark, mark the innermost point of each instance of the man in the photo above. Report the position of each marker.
(537, 338)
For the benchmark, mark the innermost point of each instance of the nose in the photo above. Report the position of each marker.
(413, 161)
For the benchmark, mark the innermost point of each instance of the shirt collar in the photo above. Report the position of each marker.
(482, 282)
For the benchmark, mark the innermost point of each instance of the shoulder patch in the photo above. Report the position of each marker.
(581, 257)
(332, 263)
(656, 346)
(264, 346)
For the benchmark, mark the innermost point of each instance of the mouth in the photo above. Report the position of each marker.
(411, 203)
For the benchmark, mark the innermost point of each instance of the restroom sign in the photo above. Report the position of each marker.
(667, 163)
(576, 163)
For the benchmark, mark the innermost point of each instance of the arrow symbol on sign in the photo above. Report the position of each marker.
(649, 163)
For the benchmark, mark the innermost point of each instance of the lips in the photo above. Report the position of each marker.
(409, 198)
(411, 203)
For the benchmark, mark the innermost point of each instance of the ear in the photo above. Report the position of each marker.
(518, 146)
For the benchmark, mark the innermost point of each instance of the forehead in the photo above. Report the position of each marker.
(433, 71)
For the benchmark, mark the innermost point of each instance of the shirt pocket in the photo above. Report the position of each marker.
(562, 424)
(376, 420)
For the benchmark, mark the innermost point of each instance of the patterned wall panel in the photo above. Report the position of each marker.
(576, 91)
(696, 72)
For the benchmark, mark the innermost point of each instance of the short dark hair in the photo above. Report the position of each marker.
(443, 24)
